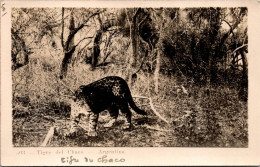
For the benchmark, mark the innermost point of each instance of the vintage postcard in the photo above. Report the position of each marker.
(121, 83)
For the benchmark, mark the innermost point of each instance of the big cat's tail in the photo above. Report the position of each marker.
(135, 108)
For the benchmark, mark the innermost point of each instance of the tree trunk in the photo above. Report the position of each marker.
(96, 48)
(71, 28)
(157, 72)
(66, 60)
(213, 34)
(62, 27)
(22, 50)
(244, 82)
(69, 48)
(130, 59)
(133, 45)
(134, 39)
(208, 75)
(158, 61)
(134, 36)
(245, 66)
(97, 42)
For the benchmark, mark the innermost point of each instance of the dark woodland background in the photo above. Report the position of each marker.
(192, 63)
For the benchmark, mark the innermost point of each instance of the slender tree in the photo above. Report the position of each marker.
(69, 46)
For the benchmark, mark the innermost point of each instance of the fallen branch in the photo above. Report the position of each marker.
(152, 107)
(48, 137)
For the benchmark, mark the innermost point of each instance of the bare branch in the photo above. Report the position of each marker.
(231, 28)
(62, 28)
(83, 40)
(107, 54)
(80, 27)
(239, 48)
(236, 61)
(152, 107)
(143, 21)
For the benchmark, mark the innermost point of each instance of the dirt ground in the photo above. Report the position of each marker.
(141, 135)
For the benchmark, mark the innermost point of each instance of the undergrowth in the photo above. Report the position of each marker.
(198, 117)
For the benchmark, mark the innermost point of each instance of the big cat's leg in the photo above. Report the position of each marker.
(113, 111)
(93, 120)
(128, 115)
(78, 108)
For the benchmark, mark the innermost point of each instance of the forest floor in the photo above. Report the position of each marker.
(194, 120)
(33, 132)
(197, 116)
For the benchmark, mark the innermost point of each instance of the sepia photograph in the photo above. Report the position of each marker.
(127, 77)
(130, 77)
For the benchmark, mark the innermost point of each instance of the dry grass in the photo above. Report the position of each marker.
(199, 118)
